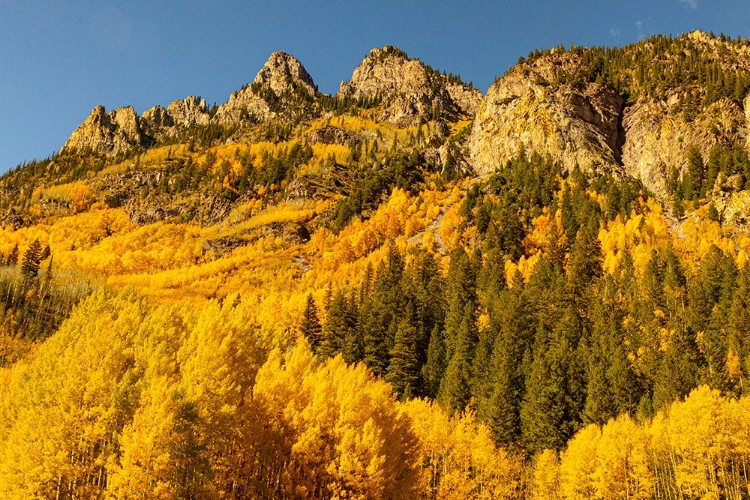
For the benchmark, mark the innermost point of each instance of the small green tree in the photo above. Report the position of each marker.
(310, 325)
(32, 259)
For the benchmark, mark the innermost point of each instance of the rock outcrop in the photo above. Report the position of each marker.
(411, 91)
(658, 137)
(189, 111)
(533, 108)
(280, 77)
(158, 122)
(107, 133)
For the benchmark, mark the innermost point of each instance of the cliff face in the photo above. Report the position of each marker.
(658, 137)
(411, 92)
(533, 109)
(564, 105)
(159, 123)
(107, 133)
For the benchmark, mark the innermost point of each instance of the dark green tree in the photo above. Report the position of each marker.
(455, 389)
(310, 324)
(32, 259)
(434, 369)
(404, 369)
(338, 326)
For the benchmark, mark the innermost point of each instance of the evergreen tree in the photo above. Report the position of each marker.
(455, 389)
(310, 325)
(404, 369)
(553, 403)
(352, 349)
(715, 353)
(460, 294)
(507, 368)
(434, 369)
(374, 330)
(739, 321)
(337, 328)
(585, 262)
(678, 371)
(32, 259)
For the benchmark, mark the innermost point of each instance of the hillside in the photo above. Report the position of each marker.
(405, 290)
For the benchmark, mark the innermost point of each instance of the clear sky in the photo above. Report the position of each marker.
(59, 59)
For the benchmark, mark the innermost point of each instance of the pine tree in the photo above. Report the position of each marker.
(310, 325)
(678, 371)
(739, 320)
(374, 330)
(460, 294)
(337, 328)
(352, 349)
(32, 259)
(455, 389)
(553, 404)
(434, 369)
(585, 262)
(404, 369)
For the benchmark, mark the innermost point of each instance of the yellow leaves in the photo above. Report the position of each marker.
(623, 461)
(545, 483)
(449, 229)
(459, 459)
(578, 464)
(346, 433)
(698, 447)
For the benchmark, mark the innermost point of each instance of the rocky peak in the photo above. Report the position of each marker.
(158, 122)
(281, 75)
(283, 72)
(189, 111)
(533, 108)
(157, 117)
(107, 133)
(412, 91)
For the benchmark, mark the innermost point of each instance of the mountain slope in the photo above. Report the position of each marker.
(377, 295)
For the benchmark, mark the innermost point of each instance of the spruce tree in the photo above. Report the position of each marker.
(434, 368)
(32, 259)
(455, 389)
(310, 324)
(337, 327)
(553, 404)
(460, 294)
(374, 329)
(404, 369)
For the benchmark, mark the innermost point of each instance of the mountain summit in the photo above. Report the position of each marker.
(412, 91)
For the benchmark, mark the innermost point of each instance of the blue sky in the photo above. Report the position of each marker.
(59, 59)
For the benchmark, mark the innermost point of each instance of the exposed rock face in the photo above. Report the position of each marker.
(283, 72)
(107, 133)
(412, 93)
(658, 137)
(158, 122)
(281, 75)
(527, 110)
(330, 135)
(157, 117)
(189, 111)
